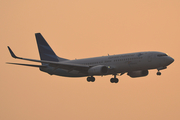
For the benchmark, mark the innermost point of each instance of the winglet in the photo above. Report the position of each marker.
(12, 54)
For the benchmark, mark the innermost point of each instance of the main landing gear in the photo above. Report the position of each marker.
(91, 79)
(114, 80)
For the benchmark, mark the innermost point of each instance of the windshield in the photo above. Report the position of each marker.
(160, 55)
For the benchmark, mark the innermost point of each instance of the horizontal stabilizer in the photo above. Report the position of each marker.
(30, 65)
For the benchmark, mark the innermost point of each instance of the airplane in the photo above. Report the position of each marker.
(135, 64)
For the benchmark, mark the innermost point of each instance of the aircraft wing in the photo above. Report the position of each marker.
(62, 65)
(40, 66)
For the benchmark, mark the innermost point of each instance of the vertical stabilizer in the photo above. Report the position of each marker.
(45, 51)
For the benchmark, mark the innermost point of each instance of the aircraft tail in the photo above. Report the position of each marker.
(45, 51)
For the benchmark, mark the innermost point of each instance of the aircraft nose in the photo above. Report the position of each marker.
(170, 60)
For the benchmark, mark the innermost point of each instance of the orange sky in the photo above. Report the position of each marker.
(80, 29)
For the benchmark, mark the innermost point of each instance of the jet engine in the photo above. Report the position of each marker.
(139, 73)
(98, 70)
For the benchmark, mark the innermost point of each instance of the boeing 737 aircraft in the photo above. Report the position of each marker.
(134, 64)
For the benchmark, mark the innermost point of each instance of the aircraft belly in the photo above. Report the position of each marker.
(131, 66)
(73, 73)
(121, 67)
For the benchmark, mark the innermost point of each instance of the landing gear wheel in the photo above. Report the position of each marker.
(90, 79)
(114, 80)
(158, 73)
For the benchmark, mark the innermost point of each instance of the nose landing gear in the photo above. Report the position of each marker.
(161, 68)
(158, 73)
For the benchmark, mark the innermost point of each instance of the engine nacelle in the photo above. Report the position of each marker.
(139, 73)
(98, 70)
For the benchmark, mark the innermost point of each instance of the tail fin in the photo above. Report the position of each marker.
(45, 51)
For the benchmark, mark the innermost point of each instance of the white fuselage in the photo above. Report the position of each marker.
(117, 63)
(134, 64)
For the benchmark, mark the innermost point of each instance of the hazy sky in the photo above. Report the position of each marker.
(81, 29)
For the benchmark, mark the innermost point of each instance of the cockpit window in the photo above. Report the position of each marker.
(160, 55)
